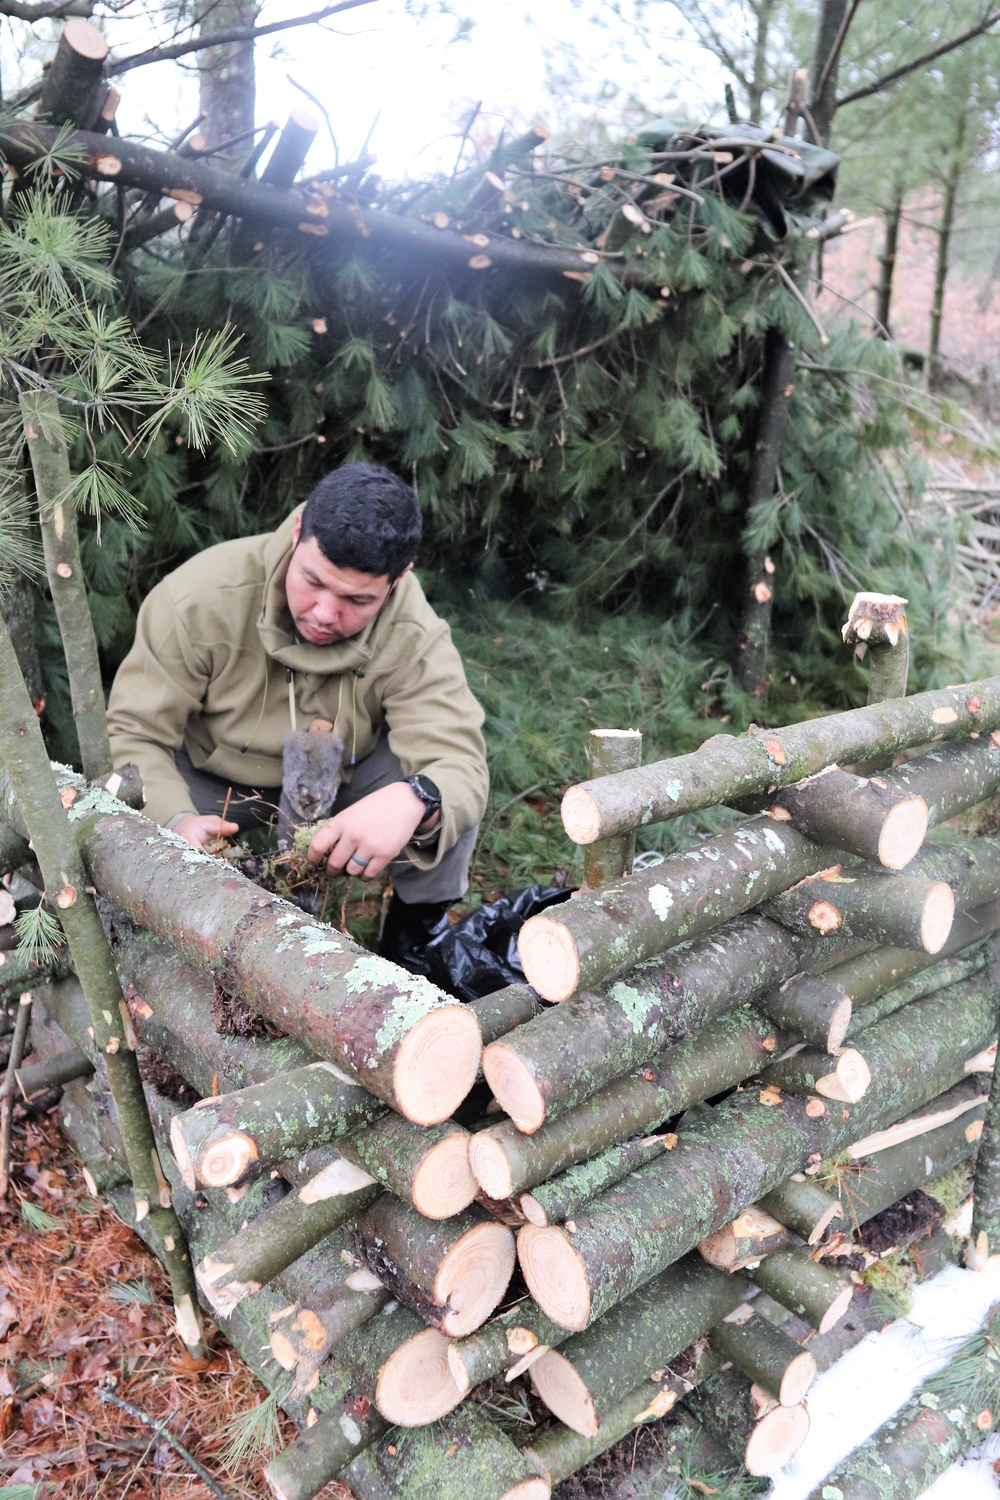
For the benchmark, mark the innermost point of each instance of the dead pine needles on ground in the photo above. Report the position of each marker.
(85, 1309)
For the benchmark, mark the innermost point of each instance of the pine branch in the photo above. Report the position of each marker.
(989, 20)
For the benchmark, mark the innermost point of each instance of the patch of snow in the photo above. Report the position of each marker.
(872, 1381)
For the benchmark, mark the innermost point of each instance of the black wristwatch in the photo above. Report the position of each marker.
(427, 791)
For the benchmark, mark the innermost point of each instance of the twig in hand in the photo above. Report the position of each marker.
(164, 1432)
(7, 1089)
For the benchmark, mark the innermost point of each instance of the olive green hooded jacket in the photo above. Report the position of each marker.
(216, 660)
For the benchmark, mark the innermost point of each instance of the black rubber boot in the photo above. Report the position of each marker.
(409, 928)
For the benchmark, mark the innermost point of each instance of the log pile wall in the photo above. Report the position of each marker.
(816, 985)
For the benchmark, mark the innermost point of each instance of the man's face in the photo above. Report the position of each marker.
(328, 603)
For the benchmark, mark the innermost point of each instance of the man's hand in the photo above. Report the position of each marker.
(200, 830)
(364, 838)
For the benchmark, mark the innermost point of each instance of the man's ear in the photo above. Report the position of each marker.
(407, 569)
(296, 530)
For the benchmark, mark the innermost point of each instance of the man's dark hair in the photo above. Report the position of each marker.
(365, 518)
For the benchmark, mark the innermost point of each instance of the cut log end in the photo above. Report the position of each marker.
(85, 39)
(565, 1393)
(581, 816)
(182, 1155)
(443, 1183)
(533, 1210)
(799, 1375)
(284, 1350)
(823, 1223)
(549, 958)
(415, 1385)
(225, 1160)
(519, 1096)
(556, 1275)
(459, 1370)
(937, 917)
(436, 1064)
(528, 1489)
(473, 1277)
(903, 833)
(776, 1438)
(836, 1310)
(489, 1164)
(849, 1081)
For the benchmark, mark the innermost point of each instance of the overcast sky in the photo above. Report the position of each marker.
(416, 77)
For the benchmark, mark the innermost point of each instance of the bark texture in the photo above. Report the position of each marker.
(734, 766)
(611, 750)
(461, 1457)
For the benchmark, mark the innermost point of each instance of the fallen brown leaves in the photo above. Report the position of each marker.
(64, 1332)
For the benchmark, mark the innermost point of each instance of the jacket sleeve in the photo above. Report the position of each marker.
(434, 726)
(161, 682)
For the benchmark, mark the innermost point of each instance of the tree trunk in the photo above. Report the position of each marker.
(41, 1077)
(18, 610)
(749, 1144)
(814, 1292)
(887, 261)
(862, 815)
(563, 1195)
(452, 1274)
(596, 934)
(588, 1375)
(506, 1161)
(777, 384)
(952, 183)
(766, 1356)
(729, 767)
(759, 78)
(964, 1097)
(71, 90)
(985, 1238)
(971, 868)
(226, 76)
(611, 859)
(950, 778)
(571, 1050)
(832, 23)
(68, 889)
(917, 987)
(64, 569)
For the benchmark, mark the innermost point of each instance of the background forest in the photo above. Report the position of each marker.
(587, 449)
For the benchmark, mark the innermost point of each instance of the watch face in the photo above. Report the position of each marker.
(426, 790)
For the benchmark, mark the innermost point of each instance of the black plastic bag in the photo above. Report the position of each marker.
(478, 954)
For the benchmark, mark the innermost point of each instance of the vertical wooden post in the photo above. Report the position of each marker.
(877, 623)
(609, 859)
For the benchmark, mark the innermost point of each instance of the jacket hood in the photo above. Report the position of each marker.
(277, 631)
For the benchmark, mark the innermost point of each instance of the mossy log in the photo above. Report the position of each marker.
(510, 1341)
(864, 815)
(560, 1198)
(808, 1071)
(916, 987)
(971, 868)
(803, 1207)
(751, 1235)
(599, 933)
(610, 750)
(585, 1378)
(306, 1331)
(506, 1161)
(961, 1099)
(463, 1457)
(985, 1239)
(453, 1274)
(559, 1452)
(812, 1007)
(271, 1242)
(814, 1292)
(728, 767)
(571, 1050)
(761, 1435)
(902, 910)
(748, 1144)
(950, 778)
(41, 1077)
(933, 1429)
(394, 1033)
(765, 1355)
(231, 1140)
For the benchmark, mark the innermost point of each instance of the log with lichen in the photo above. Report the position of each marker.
(864, 815)
(506, 1161)
(902, 910)
(600, 933)
(746, 1146)
(765, 1355)
(729, 767)
(393, 1032)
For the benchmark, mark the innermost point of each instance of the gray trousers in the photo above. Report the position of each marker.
(251, 807)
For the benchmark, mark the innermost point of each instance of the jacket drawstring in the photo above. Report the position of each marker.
(290, 679)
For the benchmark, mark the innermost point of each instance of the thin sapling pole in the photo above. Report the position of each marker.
(21, 1024)
(68, 889)
(611, 750)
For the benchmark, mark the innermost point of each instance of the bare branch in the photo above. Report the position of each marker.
(989, 20)
(223, 38)
(43, 10)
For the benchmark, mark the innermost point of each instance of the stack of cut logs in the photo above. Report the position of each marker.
(760, 1044)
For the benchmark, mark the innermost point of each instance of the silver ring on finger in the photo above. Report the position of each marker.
(356, 859)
